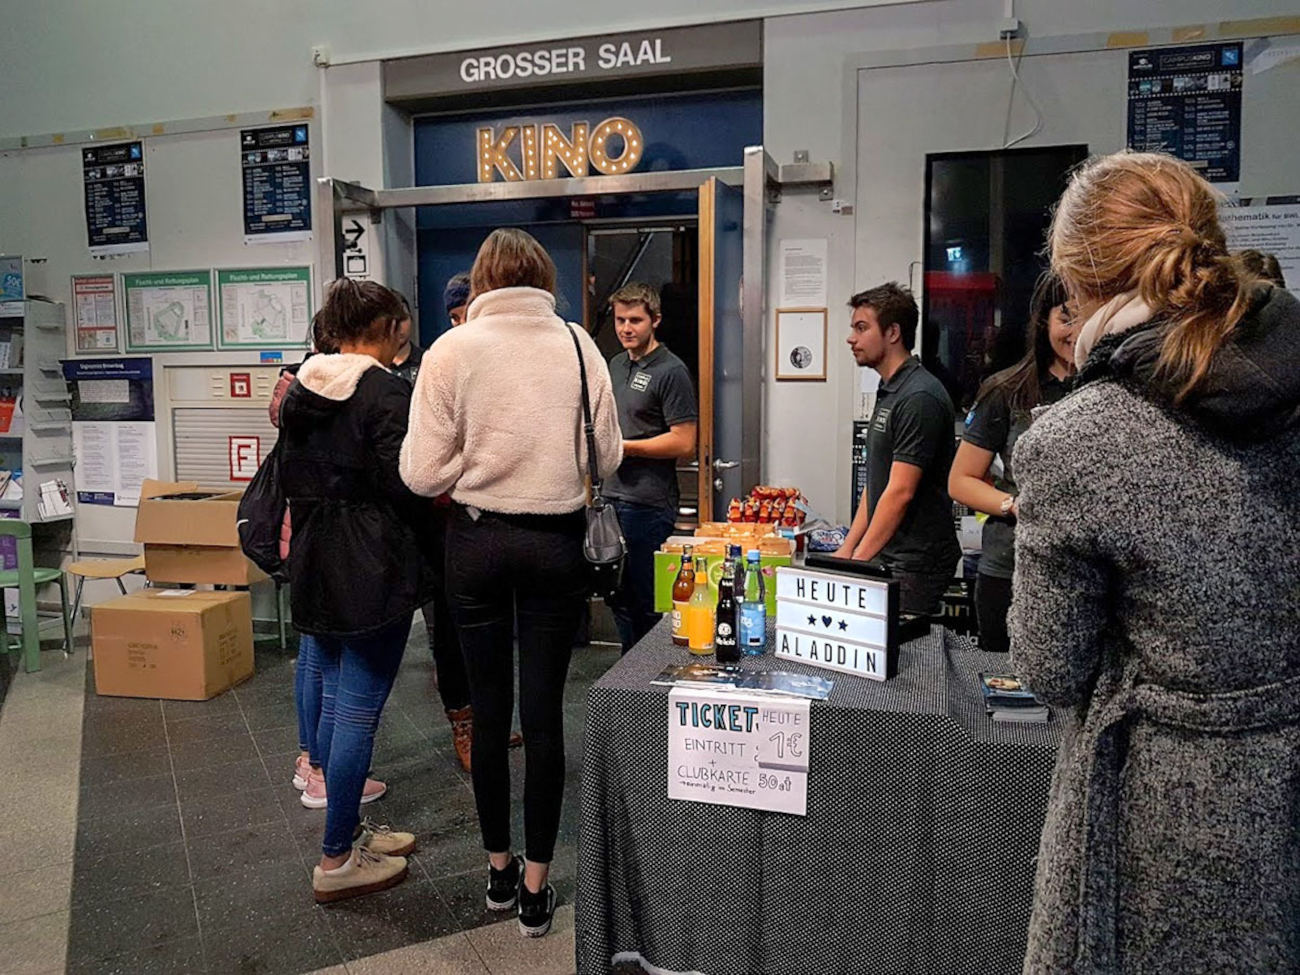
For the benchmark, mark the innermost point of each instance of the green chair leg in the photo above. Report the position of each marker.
(31, 623)
(67, 619)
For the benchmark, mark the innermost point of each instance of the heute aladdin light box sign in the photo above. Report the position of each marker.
(839, 622)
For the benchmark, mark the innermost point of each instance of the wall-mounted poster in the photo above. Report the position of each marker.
(801, 343)
(264, 307)
(168, 311)
(1270, 225)
(1186, 101)
(11, 286)
(276, 163)
(94, 312)
(113, 177)
(113, 435)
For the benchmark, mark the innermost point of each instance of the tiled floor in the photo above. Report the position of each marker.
(193, 853)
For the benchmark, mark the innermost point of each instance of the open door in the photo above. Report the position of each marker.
(721, 440)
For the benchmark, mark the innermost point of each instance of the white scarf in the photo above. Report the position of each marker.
(1120, 314)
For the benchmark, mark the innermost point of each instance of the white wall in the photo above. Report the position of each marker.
(900, 114)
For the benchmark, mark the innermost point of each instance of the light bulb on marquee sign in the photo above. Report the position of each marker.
(614, 146)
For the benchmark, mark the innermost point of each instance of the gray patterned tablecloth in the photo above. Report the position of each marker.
(916, 855)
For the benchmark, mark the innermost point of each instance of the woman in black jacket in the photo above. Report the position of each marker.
(356, 568)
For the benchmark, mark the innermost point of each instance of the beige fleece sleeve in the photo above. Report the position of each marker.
(432, 456)
(604, 414)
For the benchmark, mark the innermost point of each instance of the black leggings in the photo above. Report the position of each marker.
(992, 603)
(453, 685)
(500, 568)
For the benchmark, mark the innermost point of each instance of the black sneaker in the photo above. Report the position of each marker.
(503, 885)
(536, 910)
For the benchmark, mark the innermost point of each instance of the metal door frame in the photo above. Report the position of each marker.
(759, 178)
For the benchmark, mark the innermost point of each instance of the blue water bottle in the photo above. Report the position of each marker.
(753, 608)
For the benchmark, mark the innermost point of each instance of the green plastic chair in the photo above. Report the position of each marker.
(25, 579)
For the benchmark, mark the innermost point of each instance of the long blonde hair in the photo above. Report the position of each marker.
(1146, 222)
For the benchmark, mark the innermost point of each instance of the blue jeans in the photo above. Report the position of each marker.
(645, 528)
(307, 695)
(357, 675)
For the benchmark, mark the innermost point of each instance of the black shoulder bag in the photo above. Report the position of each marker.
(603, 545)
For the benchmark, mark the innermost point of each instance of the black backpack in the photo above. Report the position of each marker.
(261, 515)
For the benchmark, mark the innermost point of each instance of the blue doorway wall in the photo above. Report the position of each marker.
(681, 131)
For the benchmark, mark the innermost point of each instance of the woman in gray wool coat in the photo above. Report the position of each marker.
(1157, 592)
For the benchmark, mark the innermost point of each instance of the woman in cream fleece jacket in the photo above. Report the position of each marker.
(496, 422)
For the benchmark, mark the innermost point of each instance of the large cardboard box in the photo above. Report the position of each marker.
(190, 535)
(181, 644)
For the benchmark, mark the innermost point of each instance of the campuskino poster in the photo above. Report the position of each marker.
(113, 178)
(276, 165)
(1186, 101)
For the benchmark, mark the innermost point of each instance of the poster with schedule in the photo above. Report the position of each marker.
(276, 164)
(113, 179)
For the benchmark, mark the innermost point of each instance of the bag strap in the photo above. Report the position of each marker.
(588, 427)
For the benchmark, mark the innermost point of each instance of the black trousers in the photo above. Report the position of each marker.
(444, 643)
(921, 593)
(992, 603)
(529, 571)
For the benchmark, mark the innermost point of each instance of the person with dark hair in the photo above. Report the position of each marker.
(455, 298)
(904, 519)
(658, 417)
(407, 361)
(1157, 559)
(357, 566)
(497, 423)
(1262, 265)
(1002, 412)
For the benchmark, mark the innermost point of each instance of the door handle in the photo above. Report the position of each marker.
(725, 465)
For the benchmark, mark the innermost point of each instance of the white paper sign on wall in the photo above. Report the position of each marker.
(737, 749)
(839, 622)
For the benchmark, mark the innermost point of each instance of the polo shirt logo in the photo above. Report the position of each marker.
(882, 419)
(640, 382)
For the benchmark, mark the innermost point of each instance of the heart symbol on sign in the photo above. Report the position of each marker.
(826, 622)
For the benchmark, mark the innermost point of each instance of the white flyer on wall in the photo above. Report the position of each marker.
(1273, 228)
(113, 459)
(803, 273)
(737, 749)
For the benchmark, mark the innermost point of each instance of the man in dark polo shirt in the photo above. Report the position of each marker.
(905, 518)
(657, 412)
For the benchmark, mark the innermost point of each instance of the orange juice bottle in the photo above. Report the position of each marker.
(699, 613)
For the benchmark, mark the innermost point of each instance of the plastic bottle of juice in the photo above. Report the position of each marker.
(699, 625)
(753, 608)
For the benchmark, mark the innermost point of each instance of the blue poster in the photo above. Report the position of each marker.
(115, 211)
(277, 183)
(1186, 101)
(110, 389)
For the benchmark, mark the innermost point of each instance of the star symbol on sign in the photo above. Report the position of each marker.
(812, 620)
(844, 624)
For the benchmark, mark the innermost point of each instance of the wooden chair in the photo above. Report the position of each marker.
(115, 569)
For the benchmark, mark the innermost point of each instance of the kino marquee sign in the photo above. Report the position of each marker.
(527, 152)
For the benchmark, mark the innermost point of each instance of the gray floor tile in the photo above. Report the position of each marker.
(125, 766)
(183, 957)
(138, 872)
(506, 952)
(273, 949)
(449, 955)
(54, 840)
(106, 799)
(36, 945)
(268, 895)
(226, 703)
(207, 753)
(407, 914)
(226, 856)
(121, 925)
(221, 780)
(270, 716)
(277, 741)
(222, 814)
(30, 893)
(127, 736)
(213, 728)
(140, 829)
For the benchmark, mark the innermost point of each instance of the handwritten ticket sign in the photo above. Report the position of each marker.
(839, 622)
(735, 749)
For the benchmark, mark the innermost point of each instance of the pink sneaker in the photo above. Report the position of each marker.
(313, 797)
(301, 770)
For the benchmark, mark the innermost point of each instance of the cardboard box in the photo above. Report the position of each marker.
(181, 644)
(190, 536)
(668, 564)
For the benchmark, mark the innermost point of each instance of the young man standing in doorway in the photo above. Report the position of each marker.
(904, 519)
(656, 409)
